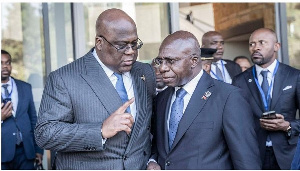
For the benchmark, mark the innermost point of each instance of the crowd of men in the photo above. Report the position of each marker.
(189, 109)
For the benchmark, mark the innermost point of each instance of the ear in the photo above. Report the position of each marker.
(194, 61)
(98, 44)
(276, 47)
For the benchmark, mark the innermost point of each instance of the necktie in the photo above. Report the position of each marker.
(176, 115)
(218, 72)
(121, 90)
(6, 93)
(265, 84)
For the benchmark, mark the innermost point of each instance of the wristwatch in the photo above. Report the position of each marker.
(289, 131)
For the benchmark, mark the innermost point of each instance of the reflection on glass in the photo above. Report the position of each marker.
(293, 15)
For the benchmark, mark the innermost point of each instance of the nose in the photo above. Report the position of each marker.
(129, 50)
(220, 46)
(163, 67)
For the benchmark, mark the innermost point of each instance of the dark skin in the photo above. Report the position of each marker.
(263, 47)
(119, 29)
(214, 40)
(159, 80)
(184, 49)
(6, 110)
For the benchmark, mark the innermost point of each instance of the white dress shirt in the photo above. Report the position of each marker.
(126, 79)
(270, 78)
(12, 88)
(227, 78)
(190, 88)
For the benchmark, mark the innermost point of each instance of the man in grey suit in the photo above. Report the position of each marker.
(200, 122)
(85, 114)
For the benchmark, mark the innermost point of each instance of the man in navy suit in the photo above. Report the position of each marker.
(200, 122)
(18, 119)
(227, 68)
(272, 86)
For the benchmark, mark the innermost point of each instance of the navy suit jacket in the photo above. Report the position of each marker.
(216, 133)
(285, 100)
(25, 121)
(296, 161)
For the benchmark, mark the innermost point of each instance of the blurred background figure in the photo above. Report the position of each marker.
(160, 85)
(207, 58)
(243, 62)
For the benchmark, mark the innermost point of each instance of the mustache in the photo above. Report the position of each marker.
(256, 53)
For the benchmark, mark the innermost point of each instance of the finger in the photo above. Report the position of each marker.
(279, 116)
(2, 104)
(123, 108)
(127, 122)
(126, 129)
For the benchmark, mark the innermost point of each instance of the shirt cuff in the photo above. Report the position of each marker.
(151, 160)
(103, 139)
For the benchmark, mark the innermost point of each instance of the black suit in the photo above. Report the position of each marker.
(233, 68)
(212, 133)
(285, 100)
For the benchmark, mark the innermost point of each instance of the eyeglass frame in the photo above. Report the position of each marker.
(123, 49)
(169, 60)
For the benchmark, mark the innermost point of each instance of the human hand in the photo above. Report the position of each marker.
(39, 157)
(278, 124)
(118, 121)
(6, 110)
(153, 166)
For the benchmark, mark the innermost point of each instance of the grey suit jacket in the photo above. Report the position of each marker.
(213, 133)
(77, 99)
(286, 101)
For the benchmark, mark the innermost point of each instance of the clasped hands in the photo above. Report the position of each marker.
(278, 124)
(6, 110)
(118, 121)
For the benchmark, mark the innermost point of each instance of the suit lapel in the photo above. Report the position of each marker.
(280, 77)
(250, 81)
(140, 95)
(21, 95)
(165, 107)
(97, 79)
(195, 106)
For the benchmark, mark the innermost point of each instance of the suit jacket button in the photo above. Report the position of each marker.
(168, 163)
(14, 133)
(125, 157)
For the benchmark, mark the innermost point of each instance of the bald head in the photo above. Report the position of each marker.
(268, 31)
(206, 36)
(182, 40)
(110, 18)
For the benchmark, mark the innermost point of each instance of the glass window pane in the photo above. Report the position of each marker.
(293, 15)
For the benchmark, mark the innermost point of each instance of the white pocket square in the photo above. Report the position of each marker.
(287, 87)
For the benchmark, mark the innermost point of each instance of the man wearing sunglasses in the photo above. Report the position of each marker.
(96, 111)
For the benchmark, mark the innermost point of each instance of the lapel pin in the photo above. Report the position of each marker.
(206, 95)
(250, 80)
(143, 77)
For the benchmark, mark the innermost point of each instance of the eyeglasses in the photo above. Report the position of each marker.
(169, 61)
(137, 44)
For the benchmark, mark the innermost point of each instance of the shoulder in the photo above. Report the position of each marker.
(22, 83)
(289, 68)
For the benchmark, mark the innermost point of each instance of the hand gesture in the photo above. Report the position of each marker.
(278, 124)
(118, 121)
(6, 110)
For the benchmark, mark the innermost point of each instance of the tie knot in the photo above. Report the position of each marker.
(214, 63)
(180, 93)
(119, 76)
(264, 73)
(5, 86)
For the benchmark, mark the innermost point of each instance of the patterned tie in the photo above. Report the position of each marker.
(218, 72)
(6, 93)
(265, 84)
(121, 90)
(176, 115)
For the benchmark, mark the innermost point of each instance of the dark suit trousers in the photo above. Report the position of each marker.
(20, 162)
(270, 162)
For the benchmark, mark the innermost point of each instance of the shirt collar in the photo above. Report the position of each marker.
(191, 86)
(9, 82)
(107, 71)
(270, 68)
(219, 62)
